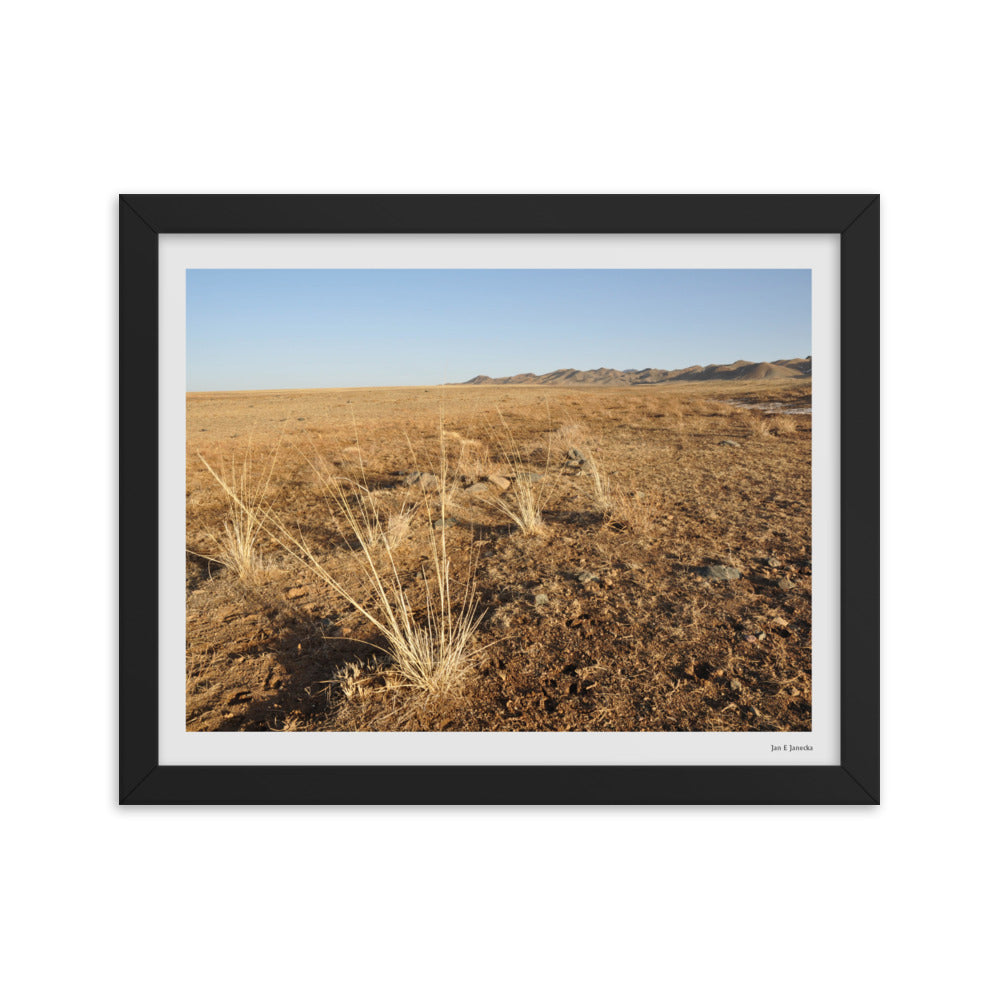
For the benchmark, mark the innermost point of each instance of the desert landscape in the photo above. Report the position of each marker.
(579, 551)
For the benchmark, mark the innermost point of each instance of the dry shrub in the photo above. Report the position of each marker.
(569, 436)
(633, 510)
(618, 504)
(524, 501)
(398, 525)
(468, 456)
(429, 634)
(754, 422)
(608, 498)
(765, 425)
(238, 546)
(360, 682)
(375, 519)
(783, 424)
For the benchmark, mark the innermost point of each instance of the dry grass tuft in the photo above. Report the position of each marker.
(524, 502)
(238, 545)
(472, 455)
(428, 629)
(768, 425)
(608, 499)
(605, 497)
(783, 424)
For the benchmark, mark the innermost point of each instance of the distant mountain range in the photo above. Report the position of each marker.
(737, 371)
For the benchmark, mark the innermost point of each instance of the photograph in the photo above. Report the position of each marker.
(499, 500)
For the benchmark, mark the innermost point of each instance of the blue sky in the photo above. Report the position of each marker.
(283, 329)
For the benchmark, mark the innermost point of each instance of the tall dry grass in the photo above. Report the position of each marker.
(523, 502)
(606, 498)
(426, 627)
(238, 546)
(583, 455)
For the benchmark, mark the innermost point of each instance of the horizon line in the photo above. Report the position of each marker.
(438, 385)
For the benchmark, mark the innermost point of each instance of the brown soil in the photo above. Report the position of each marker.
(603, 622)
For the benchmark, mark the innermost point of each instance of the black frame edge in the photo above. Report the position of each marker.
(499, 213)
(859, 502)
(142, 780)
(498, 785)
(138, 330)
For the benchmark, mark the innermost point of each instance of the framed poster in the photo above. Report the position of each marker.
(500, 499)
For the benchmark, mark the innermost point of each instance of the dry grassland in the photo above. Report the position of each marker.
(328, 590)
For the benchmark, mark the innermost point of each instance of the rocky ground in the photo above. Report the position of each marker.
(669, 588)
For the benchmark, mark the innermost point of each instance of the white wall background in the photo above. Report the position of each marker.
(518, 97)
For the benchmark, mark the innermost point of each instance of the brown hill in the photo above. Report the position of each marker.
(737, 371)
(803, 365)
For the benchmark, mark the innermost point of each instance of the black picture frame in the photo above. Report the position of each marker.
(143, 217)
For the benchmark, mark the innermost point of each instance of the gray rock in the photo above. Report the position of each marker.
(587, 577)
(541, 600)
(425, 480)
(720, 573)
(445, 522)
(731, 444)
(575, 455)
(532, 477)
(500, 482)
(774, 562)
(477, 488)
(786, 584)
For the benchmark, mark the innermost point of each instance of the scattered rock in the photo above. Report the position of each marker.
(731, 444)
(575, 455)
(445, 522)
(774, 562)
(541, 600)
(477, 488)
(532, 477)
(786, 584)
(425, 480)
(587, 577)
(500, 482)
(735, 685)
(720, 573)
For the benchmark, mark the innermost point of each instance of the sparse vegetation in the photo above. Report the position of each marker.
(510, 572)
(769, 424)
(523, 497)
(428, 633)
(238, 542)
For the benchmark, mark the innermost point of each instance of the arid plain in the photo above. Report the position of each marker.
(661, 581)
